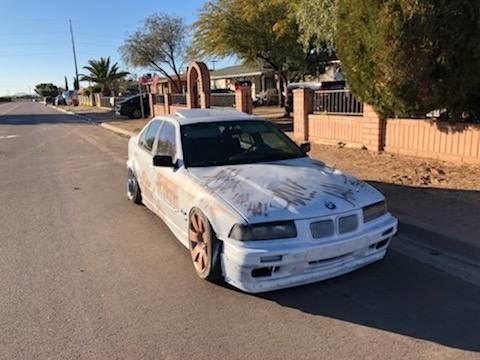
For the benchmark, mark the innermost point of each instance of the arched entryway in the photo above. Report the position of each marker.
(198, 86)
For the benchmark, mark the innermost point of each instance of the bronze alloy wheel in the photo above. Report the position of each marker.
(204, 247)
(198, 242)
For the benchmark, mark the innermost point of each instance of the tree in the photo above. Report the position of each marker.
(262, 32)
(101, 73)
(66, 83)
(158, 44)
(94, 89)
(126, 86)
(76, 84)
(409, 57)
(317, 20)
(47, 90)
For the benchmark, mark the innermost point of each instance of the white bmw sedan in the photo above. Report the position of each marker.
(250, 205)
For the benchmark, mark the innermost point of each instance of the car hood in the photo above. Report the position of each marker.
(283, 190)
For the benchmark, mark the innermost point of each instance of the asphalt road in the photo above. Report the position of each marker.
(86, 274)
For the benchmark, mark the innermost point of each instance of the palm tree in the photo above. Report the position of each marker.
(101, 73)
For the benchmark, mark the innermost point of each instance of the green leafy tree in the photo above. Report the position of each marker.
(317, 20)
(408, 57)
(159, 44)
(262, 32)
(47, 90)
(94, 89)
(66, 83)
(103, 74)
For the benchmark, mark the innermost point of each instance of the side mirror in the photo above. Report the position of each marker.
(163, 161)
(306, 147)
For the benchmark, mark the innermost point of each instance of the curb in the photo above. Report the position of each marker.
(444, 253)
(433, 241)
(117, 130)
(106, 126)
(81, 117)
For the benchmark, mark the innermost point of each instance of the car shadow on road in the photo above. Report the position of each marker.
(399, 295)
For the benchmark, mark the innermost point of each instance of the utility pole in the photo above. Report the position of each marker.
(141, 100)
(213, 64)
(74, 55)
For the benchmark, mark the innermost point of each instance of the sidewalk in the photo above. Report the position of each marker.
(106, 118)
(443, 213)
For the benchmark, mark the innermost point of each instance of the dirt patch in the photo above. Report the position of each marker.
(399, 169)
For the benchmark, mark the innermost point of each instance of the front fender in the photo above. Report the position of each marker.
(220, 214)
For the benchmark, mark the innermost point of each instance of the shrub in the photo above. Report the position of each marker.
(408, 57)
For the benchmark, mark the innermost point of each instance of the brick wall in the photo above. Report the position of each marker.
(456, 142)
(438, 140)
(332, 129)
(303, 106)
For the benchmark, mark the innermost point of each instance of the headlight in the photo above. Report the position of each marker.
(371, 212)
(264, 231)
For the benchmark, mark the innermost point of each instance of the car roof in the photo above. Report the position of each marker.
(193, 116)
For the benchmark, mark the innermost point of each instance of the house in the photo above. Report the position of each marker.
(162, 85)
(261, 79)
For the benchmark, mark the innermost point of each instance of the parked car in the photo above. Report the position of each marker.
(324, 85)
(266, 98)
(71, 97)
(59, 100)
(48, 100)
(131, 107)
(250, 205)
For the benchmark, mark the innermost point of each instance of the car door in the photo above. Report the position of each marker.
(144, 166)
(167, 179)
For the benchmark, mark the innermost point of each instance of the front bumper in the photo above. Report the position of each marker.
(263, 266)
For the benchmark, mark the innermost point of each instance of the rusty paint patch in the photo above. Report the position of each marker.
(168, 189)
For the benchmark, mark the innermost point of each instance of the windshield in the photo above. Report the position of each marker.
(235, 142)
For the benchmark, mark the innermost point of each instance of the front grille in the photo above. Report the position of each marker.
(329, 227)
(347, 224)
(322, 229)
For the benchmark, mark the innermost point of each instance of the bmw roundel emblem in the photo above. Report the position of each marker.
(330, 205)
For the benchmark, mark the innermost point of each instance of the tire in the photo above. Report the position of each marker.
(205, 248)
(133, 189)
(136, 114)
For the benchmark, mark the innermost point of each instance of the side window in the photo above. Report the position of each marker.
(167, 141)
(148, 136)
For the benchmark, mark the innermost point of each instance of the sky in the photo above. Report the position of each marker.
(35, 45)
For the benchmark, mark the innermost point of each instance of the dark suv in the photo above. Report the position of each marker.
(131, 107)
